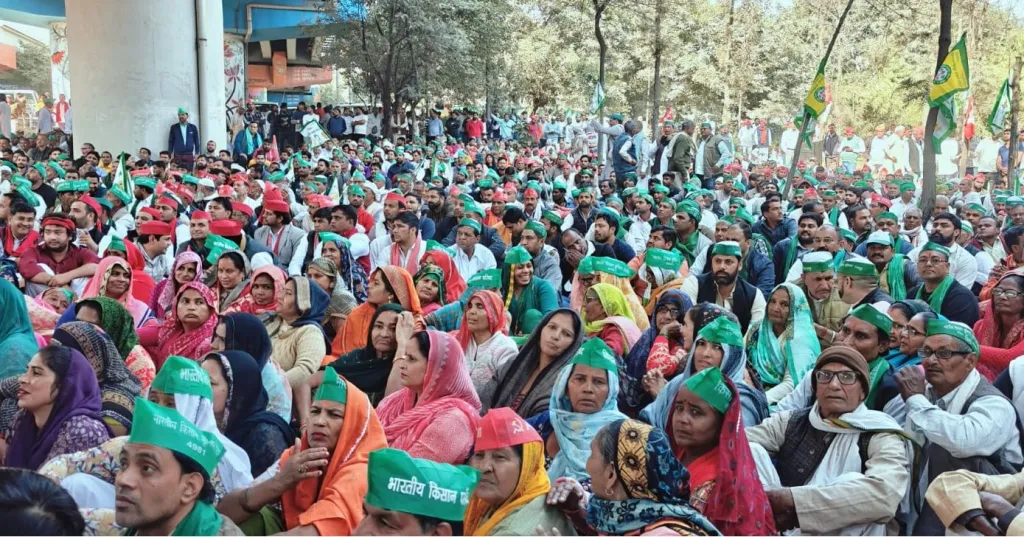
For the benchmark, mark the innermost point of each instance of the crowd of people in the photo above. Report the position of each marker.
(497, 333)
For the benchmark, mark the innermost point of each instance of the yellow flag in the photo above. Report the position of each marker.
(953, 76)
(814, 104)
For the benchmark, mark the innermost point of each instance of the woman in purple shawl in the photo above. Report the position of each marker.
(59, 402)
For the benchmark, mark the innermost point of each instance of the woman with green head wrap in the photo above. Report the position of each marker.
(783, 346)
(430, 286)
(112, 317)
(522, 291)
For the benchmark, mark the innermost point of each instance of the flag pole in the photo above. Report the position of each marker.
(807, 116)
(1012, 175)
(927, 202)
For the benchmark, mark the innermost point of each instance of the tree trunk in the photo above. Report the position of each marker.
(928, 181)
(727, 64)
(807, 117)
(659, 7)
(602, 48)
(1013, 177)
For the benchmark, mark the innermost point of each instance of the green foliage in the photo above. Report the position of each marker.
(33, 68)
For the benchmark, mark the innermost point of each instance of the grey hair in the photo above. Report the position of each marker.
(942, 197)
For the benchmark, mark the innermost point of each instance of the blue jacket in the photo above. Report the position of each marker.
(187, 146)
(786, 228)
(336, 126)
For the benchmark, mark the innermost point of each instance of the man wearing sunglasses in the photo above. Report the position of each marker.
(962, 421)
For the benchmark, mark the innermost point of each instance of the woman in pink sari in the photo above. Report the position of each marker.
(265, 288)
(435, 414)
(188, 267)
(113, 279)
(187, 330)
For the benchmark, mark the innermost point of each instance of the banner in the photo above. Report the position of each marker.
(945, 124)
(814, 104)
(314, 134)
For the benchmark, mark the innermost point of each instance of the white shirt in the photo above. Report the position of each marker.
(946, 163)
(467, 266)
(986, 154)
(789, 139)
(962, 265)
(690, 287)
(359, 129)
(5, 118)
(380, 253)
(877, 155)
(638, 234)
(748, 136)
(45, 116)
(855, 143)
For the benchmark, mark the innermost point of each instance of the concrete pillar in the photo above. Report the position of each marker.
(129, 82)
(212, 120)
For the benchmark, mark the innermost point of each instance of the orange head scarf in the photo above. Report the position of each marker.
(356, 329)
(454, 285)
(337, 508)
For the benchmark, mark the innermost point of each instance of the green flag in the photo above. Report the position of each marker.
(597, 101)
(1001, 110)
(945, 123)
(122, 175)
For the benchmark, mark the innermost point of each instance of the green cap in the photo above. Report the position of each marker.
(869, 314)
(739, 202)
(183, 110)
(935, 247)
(433, 245)
(517, 256)
(887, 216)
(936, 327)
(475, 208)
(190, 179)
(710, 386)
(596, 353)
(1014, 201)
(537, 228)
(163, 427)
(660, 188)
(607, 265)
(117, 244)
(847, 234)
(146, 182)
(663, 259)
(485, 184)
(469, 222)
(817, 262)
(184, 376)
(552, 216)
(333, 388)
(722, 331)
(66, 186)
(976, 207)
(104, 202)
(356, 190)
(399, 482)
(858, 266)
(907, 187)
(727, 248)
(121, 195)
(559, 185)
(485, 279)
(745, 215)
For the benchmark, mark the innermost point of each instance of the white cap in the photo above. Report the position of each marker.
(207, 182)
(880, 237)
(237, 168)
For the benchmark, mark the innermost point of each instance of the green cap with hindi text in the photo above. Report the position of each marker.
(610, 265)
(146, 182)
(935, 247)
(871, 315)
(817, 262)
(552, 216)
(690, 208)
(470, 223)
(475, 208)
(663, 259)
(433, 245)
(887, 216)
(537, 228)
(723, 331)
(184, 376)
(334, 388)
(858, 266)
(596, 353)
(710, 386)
(879, 237)
(166, 428)
(485, 279)
(517, 256)
(399, 482)
(727, 248)
(938, 327)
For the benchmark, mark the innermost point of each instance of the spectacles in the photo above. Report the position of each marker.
(672, 311)
(846, 378)
(930, 261)
(1007, 293)
(911, 331)
(941, 354)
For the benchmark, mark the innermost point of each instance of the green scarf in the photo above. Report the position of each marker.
(790, 255)
(203, 520)
(938, 295)
(687, 248)
(833, 215)
(876, 370)
(837, 260)
(897, 286)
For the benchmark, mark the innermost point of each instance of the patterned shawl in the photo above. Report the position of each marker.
(987, 328)
(350, 271)
(228, 303)
(247, 304)
(737, 504)
(176, 340)
(118, 386)
(634, 396)
(446, 387)
(434, 273)
(97, 287)
(656, 483)
(163, 295)
(114, 320)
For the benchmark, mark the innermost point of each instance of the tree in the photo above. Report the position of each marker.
(928, 181)
(33, 68)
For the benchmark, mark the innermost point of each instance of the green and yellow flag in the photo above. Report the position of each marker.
(814, 104)
(953, 76)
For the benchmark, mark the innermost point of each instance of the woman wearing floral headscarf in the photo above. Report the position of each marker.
(607, 316)
(783, 346)
(188, 266)
(350, 273)
(115, 321)
(430, 287)
(187, 329)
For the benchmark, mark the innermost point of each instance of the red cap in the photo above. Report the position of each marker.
(530, 191)
(200, 215)
(502, 427)
(782, 169)
(848, 130)
(88, 200)
(157, 228)
(225, 191)
(168, 201)
(226, 228)
(499, 195)
(277, 206)
(395, 197)
(186, 193)
(242, 208)
(801, 163)
(239, 177)
(65, 223)
(151, 211)
(881, 200)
